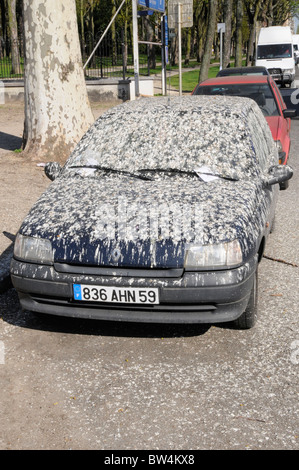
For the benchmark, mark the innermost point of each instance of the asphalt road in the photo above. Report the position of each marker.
(74, 384)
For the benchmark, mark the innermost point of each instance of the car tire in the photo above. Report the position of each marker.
(249, 316)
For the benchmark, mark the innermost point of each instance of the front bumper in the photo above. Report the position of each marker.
(281, 77)
(185, 297)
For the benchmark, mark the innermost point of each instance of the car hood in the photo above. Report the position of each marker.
(121, 221)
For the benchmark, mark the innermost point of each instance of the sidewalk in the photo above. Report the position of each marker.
(170, 90)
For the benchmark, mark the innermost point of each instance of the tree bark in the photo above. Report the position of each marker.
(228, 10)
(150, 37)
(253, 11)
(188, 46)
(239, 44)
(14, 40)
(204, 69)
(57, 110)
(113, 35)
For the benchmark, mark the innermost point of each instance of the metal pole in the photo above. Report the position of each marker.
(135, 47)
(180, 47)
(163, 56)
(103, 35)
(221, 49)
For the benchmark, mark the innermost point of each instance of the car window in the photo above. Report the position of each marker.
(260, 93)
(262, 140)
(274, 51)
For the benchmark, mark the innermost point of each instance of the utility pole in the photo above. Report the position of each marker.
(135, 47)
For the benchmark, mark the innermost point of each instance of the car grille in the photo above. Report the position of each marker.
(275, 71)
(119, 272)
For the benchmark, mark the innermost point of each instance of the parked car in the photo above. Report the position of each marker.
(160, 214)
(254, 70)
(264, 91)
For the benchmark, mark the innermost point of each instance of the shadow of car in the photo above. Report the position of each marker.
(160, 215)
(264, 91)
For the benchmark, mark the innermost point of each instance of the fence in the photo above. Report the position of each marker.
(113, 58)
(11, 59)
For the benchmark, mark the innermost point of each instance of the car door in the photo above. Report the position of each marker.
(285, 122)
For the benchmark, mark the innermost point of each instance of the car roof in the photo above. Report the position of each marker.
(243, 71)
(236, 79)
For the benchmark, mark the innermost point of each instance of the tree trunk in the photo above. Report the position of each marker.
(228, 7)
(57, 110)
(82, 37)
(174, 50)
(239, 19)
(113, 35)
(14, 41)
(150, 37)
(204, 69)
(253, 12)
(188, 46)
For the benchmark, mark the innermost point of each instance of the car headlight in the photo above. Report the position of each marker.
(209, 256)
(288, 71)
(37, 250)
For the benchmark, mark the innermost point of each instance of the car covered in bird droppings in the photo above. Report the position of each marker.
(160, 214)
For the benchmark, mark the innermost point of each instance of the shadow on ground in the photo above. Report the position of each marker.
(10, 141)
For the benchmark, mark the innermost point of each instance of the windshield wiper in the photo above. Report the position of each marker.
(186, 172)
(168, 170)
(113, 170)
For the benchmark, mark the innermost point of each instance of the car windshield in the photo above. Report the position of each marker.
(148, 135)
(260, 93)
(274, 51)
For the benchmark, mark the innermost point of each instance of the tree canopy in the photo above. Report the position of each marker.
(242, 17)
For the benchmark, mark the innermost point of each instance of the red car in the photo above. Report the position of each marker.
(264, 91)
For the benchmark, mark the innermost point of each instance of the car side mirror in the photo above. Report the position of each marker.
(289, 113)
(279, 174)
(52, 170)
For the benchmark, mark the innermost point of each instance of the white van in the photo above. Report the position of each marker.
(275, 52)
(296, 47)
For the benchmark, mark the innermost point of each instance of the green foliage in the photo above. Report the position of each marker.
(94, 16)
(190, 79)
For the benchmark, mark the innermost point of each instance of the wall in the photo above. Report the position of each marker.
(98, 90)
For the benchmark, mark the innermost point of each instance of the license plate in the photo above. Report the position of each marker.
(124, 295)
